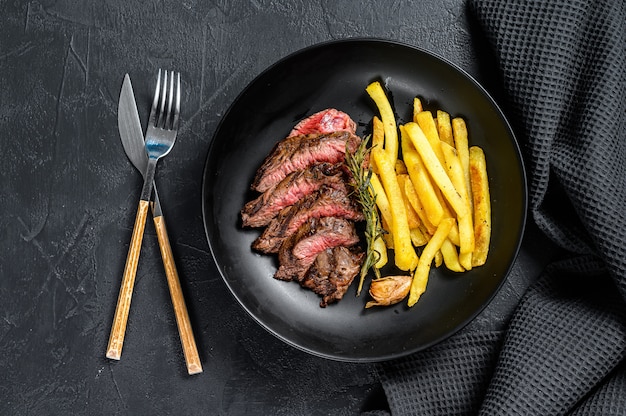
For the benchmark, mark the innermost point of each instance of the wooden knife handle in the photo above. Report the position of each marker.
(118, 330)
(194, 366)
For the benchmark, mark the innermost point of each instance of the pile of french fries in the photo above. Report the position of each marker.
(432, 191)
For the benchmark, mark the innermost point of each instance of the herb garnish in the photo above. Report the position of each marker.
(367, 198)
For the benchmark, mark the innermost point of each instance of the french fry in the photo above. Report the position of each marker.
(381, 198)
(482, 205)
(378, 133)
(378, 140)
(438, 258)
(420, 276)
(426, 233)
(385, 241)
(400, 167)
(378, 95)
(387, 236)
(412, 217)
(417, 107)
(418, 207)
(451, 257)
(449, 213)
(436, 170)
(381, 249)
(444, 127)
(466, 229)
(421, 180)
(461, 145)
(404, 253)
(418, 237)
(427, 124)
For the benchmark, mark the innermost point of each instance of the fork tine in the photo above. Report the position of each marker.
(155, 101)
(177, 106)
(170, 100)
(163, 93)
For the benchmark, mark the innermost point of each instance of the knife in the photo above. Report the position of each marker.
(132, 137)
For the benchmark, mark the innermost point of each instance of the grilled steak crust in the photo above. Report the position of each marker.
(299, 251)
(325, 121)
(332, 273)
(326, 202)
(260, 211)
(298, 152)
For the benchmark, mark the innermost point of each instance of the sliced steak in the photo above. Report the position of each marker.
(260, 211)
(298, 252)
(298, 152)
(325, 121)
(332, 273)
(326, 202)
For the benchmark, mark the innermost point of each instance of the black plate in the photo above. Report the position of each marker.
(335, 74)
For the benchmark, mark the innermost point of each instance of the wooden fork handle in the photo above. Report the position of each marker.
(118, 330)
(190, 351)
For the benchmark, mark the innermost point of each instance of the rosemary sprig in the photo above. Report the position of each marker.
(367, 198)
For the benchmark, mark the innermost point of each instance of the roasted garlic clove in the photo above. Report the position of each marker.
(389, 290)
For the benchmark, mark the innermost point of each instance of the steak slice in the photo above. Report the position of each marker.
(260, 211)
(326, 202)
(298, 152)
(325, 121)
(332, 273)
(298, 252)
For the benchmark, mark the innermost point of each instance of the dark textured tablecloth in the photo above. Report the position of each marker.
(562, 67)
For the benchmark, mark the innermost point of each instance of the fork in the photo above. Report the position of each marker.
(160, 138)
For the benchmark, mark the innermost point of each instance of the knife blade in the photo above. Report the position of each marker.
(131, 133)
(132, 137)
